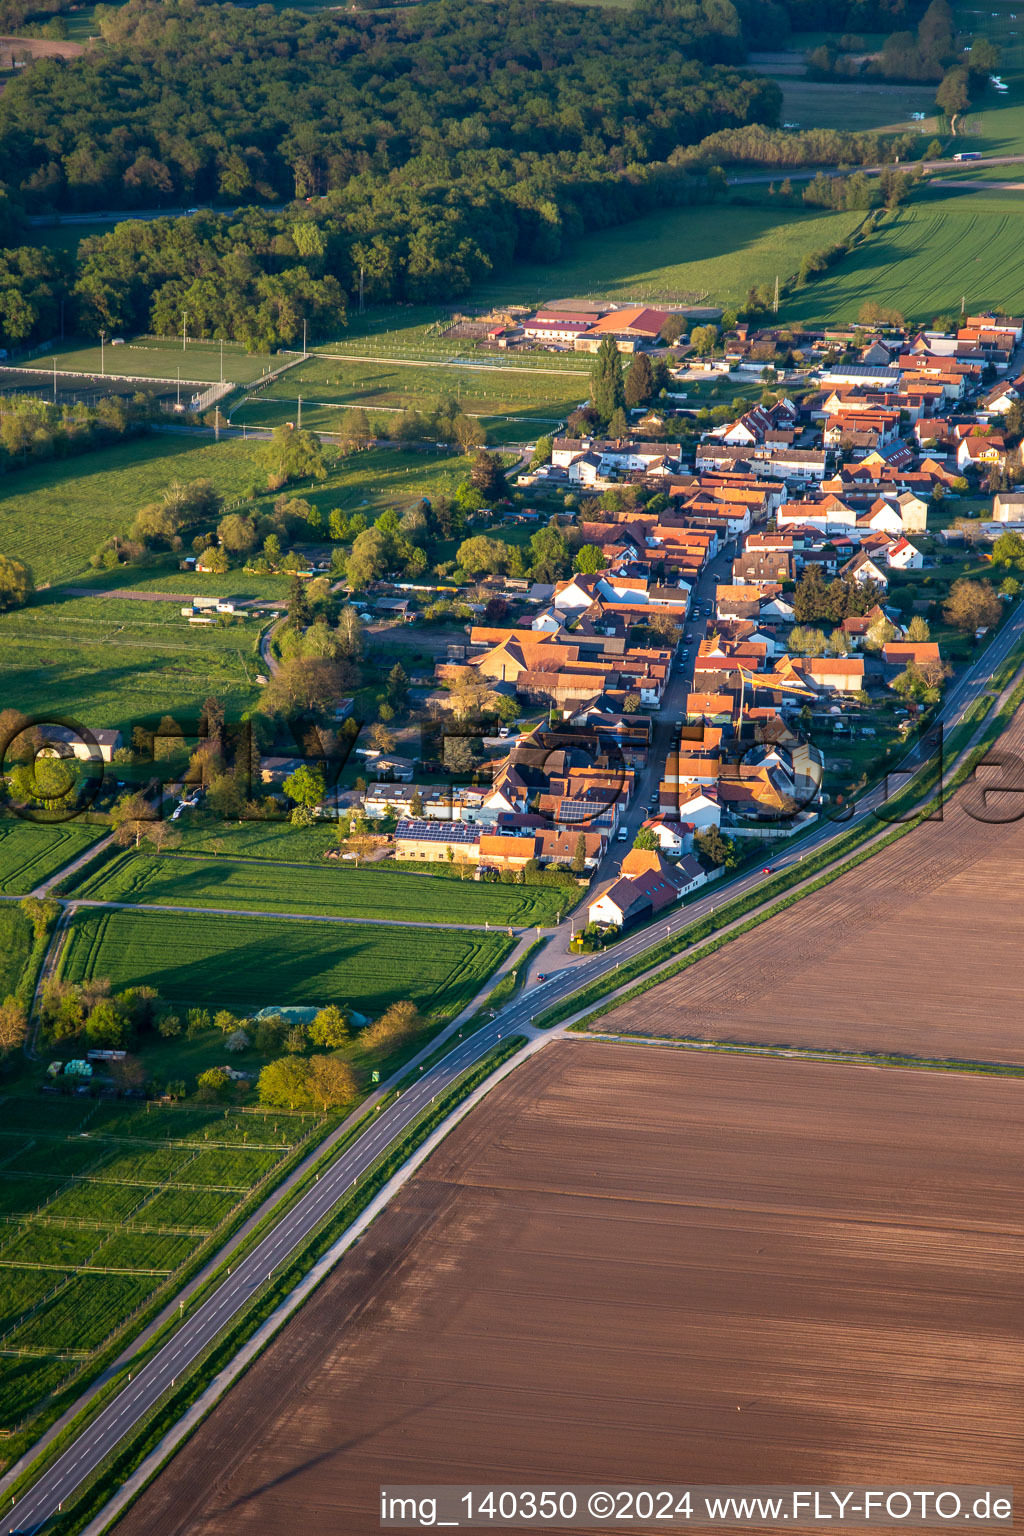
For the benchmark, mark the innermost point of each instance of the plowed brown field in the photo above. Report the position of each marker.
(641, 1265)
(918, 950)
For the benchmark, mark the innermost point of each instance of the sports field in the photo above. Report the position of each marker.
(717, 252)
(199, 362)
(329, 890)
(263, 962)
(30, 853)
(480, 388)
(54, 517)
(648, 1267)
(923, 261)
(102, 1205)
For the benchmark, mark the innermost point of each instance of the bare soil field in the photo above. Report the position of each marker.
(916, 951)
(633, 1264)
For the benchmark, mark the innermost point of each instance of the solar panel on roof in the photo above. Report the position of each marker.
(438, 831)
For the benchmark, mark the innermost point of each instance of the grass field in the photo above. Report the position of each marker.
(253, 962)
(717, 251)
(15, 948)
(114, 662)
(30, 853)
(326, 890)
(198, 362)
(55, 516)
(934, 251)
(127, 1197)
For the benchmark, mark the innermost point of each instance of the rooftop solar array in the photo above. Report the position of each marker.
(438, 831)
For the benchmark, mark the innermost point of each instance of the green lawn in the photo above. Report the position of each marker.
(329, 890)
(94, 1188)
(198, 362)
(55, 516)
(714, 252)
(254, 962)
(30, 853)
(925, 259)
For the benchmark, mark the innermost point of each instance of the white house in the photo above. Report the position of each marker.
(697, 808)
(60, 741)
(903, 556)
(883, 518)
(578, 593)
(863, 569)
(673, 836)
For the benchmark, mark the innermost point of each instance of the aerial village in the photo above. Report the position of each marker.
(763, 606)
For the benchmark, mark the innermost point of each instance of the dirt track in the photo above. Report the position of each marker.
(918, 950)
(634, 1265)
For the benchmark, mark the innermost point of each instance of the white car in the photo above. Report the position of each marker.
(622, 835)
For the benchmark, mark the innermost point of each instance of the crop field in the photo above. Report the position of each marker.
(912, 952)
(258, 885)
(254, 962)
(55, 516)
(860, 106)
(143, 357)
(637, 1265)
(29, 854)
(922, 262)
(715, 251)
(128, 1196)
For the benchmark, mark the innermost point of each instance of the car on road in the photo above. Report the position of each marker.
(622, 834)
(767, 870)
(542, 975)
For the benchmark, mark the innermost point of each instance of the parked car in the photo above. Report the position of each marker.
(622, 834)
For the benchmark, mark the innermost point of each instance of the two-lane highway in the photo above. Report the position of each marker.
(148, 1384)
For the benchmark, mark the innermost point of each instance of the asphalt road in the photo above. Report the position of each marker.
(122, 1412)
(100, 1437)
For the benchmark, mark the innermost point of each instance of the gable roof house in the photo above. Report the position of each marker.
(904, 556)
(647, 885)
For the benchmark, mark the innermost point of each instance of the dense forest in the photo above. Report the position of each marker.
(425, 148)
(190, 102)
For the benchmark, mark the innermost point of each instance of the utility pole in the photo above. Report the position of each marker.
(103, 359)
(775, 305)
(304, 338)
(298, 425)
(177, 373)
(222, 359)
(55, 381)
(184, 322)
(361, 271)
